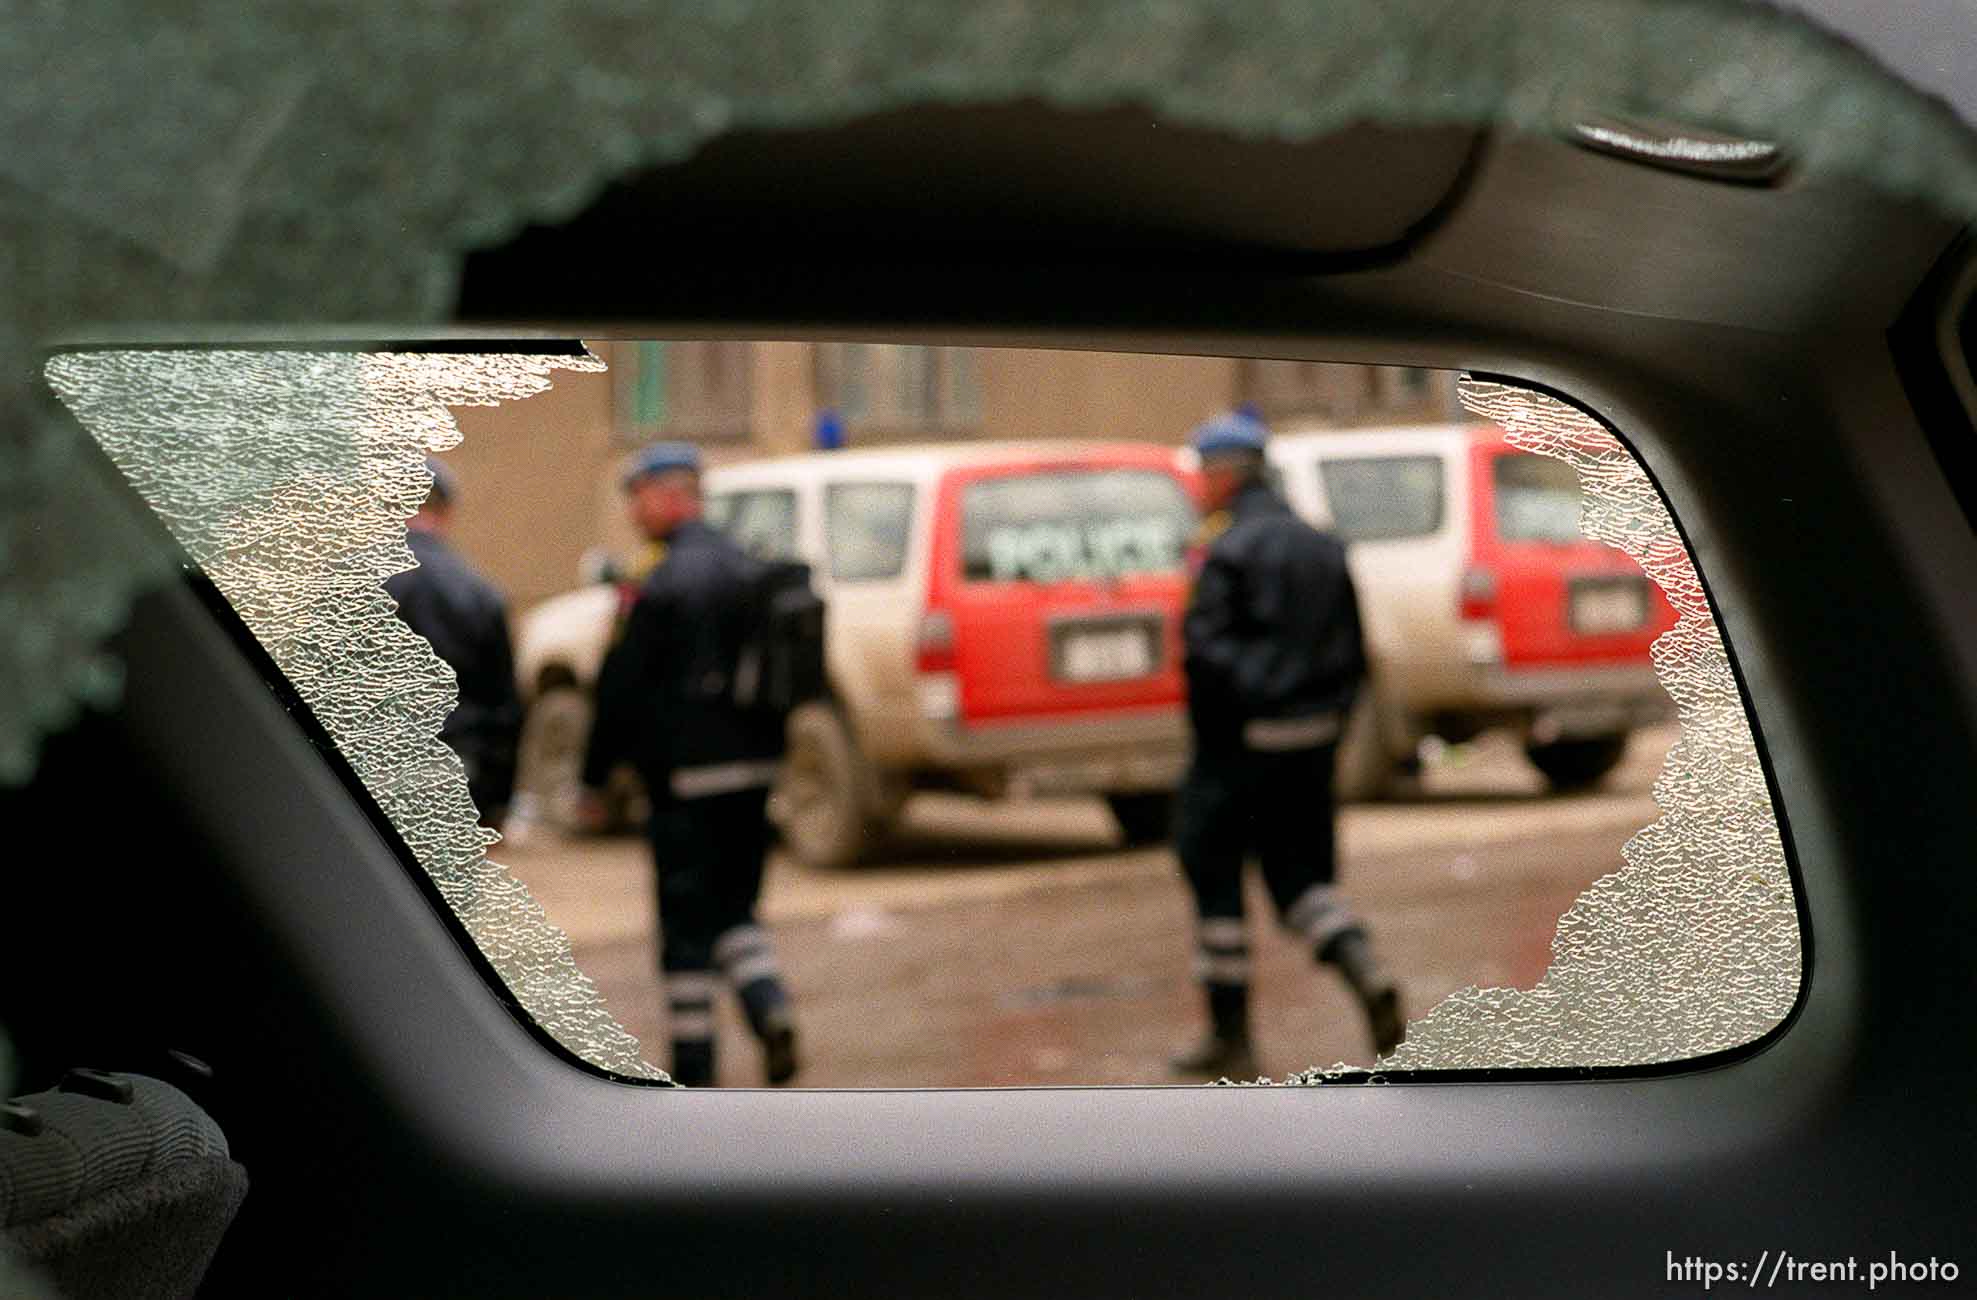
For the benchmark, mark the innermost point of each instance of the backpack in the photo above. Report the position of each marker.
(782, 650)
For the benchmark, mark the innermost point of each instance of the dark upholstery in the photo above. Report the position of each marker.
(116, 1186)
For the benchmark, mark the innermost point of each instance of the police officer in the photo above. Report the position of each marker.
(665, 702)
(445, 601)
(1273, 660)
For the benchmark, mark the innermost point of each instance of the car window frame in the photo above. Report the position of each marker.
(1338, 1147)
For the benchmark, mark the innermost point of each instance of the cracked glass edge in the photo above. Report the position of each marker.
(1692, 946)
(227, 170)
(288, 477)
(72, 560)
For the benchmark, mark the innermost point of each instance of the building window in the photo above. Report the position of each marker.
(900, 388)
(1280, 390)
(1406, 386)
(702, 391)
(1342, 394)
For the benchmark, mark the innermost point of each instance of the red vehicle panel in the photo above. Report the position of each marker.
(1057, 584)
(1559, 599)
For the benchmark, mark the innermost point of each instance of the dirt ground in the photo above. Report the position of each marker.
(1018, 944)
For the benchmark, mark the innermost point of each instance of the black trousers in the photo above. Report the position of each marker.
(1278, 808)
(708, 853)
(1275, 807)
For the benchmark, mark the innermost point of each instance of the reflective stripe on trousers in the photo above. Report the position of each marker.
(690, 1004)
(723, 778)
(1286, 735)
(1221, 951)
(1321, 915)
(745, 954)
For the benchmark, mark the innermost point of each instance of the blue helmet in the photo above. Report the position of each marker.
(662, 457)
(445, 483)
(1236, 431)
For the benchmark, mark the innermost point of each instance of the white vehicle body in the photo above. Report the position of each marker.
(1409, 587)
(563, 639)
(872, 624)
(1441, 669)
(892, 726)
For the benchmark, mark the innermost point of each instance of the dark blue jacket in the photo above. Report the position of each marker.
(665, 697)
(1272, 630)
(464, 617)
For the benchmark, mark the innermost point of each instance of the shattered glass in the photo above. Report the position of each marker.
(287, 477)
(1692, 946)
(196, 162)
(71, 561)
(15, 1279)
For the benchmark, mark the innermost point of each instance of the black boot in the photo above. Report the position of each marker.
(779, 1063)
(1384, 1019)
(693, 1062)
(1224, 1052)
(1379, 997)
(767, 1008)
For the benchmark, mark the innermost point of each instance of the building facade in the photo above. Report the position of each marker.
(539, 477)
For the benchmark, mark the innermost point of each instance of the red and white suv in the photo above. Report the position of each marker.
(1483, 603)
(1003, 619)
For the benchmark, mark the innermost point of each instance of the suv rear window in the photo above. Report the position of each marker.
(867, 528)
(1062, 524)
(1383, 498)
(1537, 499)
(762, 521)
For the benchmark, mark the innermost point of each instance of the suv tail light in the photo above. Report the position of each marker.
(1482, 640)
(934, 651)
(937, 688)
(1478, 593)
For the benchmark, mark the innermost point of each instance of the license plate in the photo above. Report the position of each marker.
(1608, 608)
(1108, 654)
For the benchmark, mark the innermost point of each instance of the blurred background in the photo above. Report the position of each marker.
(954, 907)
(547, 469)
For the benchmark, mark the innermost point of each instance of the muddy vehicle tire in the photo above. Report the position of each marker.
(821, 805)
(550, 758)
(1577, 764)
(1144, 816)
(1366, 769)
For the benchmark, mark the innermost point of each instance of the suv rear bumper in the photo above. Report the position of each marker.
(1561, 703)
(1142, 751)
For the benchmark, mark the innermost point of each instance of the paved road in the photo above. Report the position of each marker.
(1018, 944)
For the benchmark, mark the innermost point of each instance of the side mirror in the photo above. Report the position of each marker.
(598, 565)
